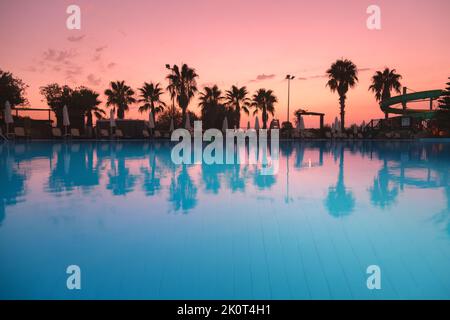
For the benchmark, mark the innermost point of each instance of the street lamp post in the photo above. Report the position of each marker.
(289, 78)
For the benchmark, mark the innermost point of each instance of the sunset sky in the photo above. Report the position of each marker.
(252, 43)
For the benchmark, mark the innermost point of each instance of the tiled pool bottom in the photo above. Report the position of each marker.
(140, 227)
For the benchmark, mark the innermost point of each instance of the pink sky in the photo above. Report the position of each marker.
(228, 42)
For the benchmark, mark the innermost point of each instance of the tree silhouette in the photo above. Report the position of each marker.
(121, 96)
(444, 101)
(182, 86)
(342, 75)
(383, 82)
(264, 100)
(212, 109)
(237, 99)
(12, 89)
(150, 94)
(86, 101)
(57, 97)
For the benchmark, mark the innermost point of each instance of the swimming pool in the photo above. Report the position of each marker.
(141, 227)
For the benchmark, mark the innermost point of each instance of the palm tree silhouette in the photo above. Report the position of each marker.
(264, 100)
(342, 75)
(383, 82)
(210, 104)
(120, 95)
(151, 97)
(182, 85)
(90, 103)
(237, 99)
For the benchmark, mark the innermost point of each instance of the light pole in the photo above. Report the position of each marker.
(289, 78)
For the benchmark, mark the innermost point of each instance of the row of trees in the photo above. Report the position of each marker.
(214, 105)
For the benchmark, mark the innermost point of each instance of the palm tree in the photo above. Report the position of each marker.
(237, 99)
(210, 105)
(342, 75)
(383, 82)
(120, 95)
(182, 85)
(264, 100)
(151, 97)
(89, 100)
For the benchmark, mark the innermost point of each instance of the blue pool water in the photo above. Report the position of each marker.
(139, 226)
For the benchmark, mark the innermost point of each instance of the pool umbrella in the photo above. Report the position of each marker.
(256, 123)
(112, 121)
(66, 120)
(172, 127)
(336, 124)
(363, 125)
(8, 116)
(225, 124)
(188, 122)
(301, 123)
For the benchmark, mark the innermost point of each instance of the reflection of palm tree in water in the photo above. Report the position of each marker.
(121, 181)
(152, 184)
(236, 179)
(183, 192)
(380, 194)
(74, 168)
(340, 201)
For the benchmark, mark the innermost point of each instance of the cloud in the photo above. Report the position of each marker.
(97, 57)
(302, 78)
(364, 69)
(262, 77)
(73, 71)
(92, 80)
(100, 49)
(75, 38)
(53, 55)
(111, 65)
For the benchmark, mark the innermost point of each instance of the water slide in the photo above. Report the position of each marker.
(402, 100)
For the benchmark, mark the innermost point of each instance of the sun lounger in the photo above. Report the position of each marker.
(360, 136)
(104, 133)
(119, 134)
(19, 132)
(75, 133)
(157, 134)
(328, 135)
(145, 133)
(56, 133)
(166, 135)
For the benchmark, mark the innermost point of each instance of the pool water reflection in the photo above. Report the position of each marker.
(140, 226)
